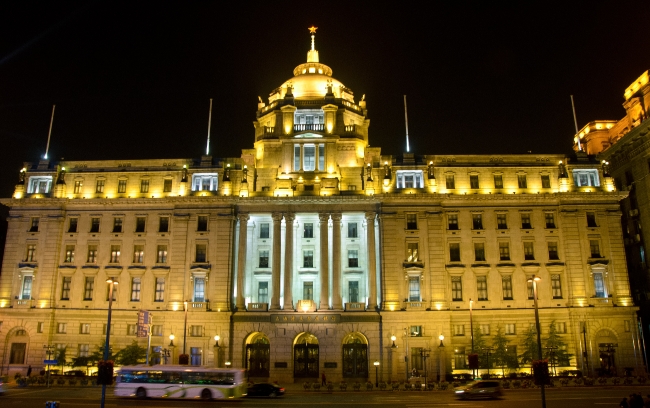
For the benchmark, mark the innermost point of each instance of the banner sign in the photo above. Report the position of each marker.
(144, 321)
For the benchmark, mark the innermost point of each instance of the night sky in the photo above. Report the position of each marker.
(133, 79)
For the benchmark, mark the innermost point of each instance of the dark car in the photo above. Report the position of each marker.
(479, 389)
(265, 390)
(76, 373)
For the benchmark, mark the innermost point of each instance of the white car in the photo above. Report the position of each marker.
(3, 387)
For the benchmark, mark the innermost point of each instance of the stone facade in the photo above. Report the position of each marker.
(312, 251)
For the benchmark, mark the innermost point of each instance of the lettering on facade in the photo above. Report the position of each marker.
(306, 318)
(281, 364)
(496, 159)
(542, 159)
(123, 164)
(330, 365)
(80, 166)
(170, 164)
(448, 159)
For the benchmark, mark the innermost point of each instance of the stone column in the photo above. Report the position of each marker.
(372, 261)
(336, 262)
(241, 260)
(288, 261)
(277, 261)
(324, 262)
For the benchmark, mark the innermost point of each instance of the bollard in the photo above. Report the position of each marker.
(52, 404)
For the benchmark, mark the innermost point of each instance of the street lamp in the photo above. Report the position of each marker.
(393, 338)
(171, 340)
(471, 332)
(488, 351)
(216, 349)
(443, 365)
(216, 339)
(48, 349)
(185, 328)
(534, 281)
(111, 286)
(376, 363)
(425, 353)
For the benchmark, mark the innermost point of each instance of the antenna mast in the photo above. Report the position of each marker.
(207, 148)
(575, 122)
(49, 134)
(406, 119)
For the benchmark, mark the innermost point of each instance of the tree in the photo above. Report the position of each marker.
(131, 354)
(555, 349)
(99, 353)
(500, 355)
(529, 346)
(60, 356)
(479, 345)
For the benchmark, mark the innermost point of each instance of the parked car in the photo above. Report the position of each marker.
(479, 389)
(76, 373)
(265, 390)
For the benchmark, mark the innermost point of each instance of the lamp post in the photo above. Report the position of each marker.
(471, 332)
(376, 363)
(406, 353)
(534, 281)
(48, 349)
(216, 349)
(425, 353)
(111, 286)
(488, 351)
(551, 354)
(441, 348)
(185, 328)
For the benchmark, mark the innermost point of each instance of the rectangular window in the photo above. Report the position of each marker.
(264, 230)
(460, 359)
(264, 259)
(99, 186)
(263, 292)
(34, 224)
(498, 181)
(161, 254)
(140, 224)
(353, 258)
(556, 286)
(138, 254)
(167, 185)
(456, 288)
(160, 290)
(594, 248)
(40, 325)
(412, 254)
(546, 181)
(94, 225)
(202, 223)
(69, 254)
(308, 290)
(309, 153)
(525, 221)
(65, 287)
(529, 251)
(196, 331)
(506, 287)
(199, 289)
(135, 289)
(131, 329)
(416, 331)
(479, 252)
(308, 230)
(521, 181)
(452, 222)
(84, 328)
(485, 329)
(587, 178)
(156, 329)
(89, 287)
(115, 254)
(296, 157)
(352, 230)
(201, 253)
(481, 287)
(163, 224)
(550, 219)
(30, 255)
(62, 328)
(510, 329)
(411, 221)
(599, 285)
(477, 221)
(196, 356)
(308, 259)
(321, 157)
(454, 252)
(144, 186)
(473, 181)
(205, 182)
(77, 186)
(26, 291)
(591, 219)
(92, 254)
(459, 330)
(529, 287)
(72, 227)
(502, 222)
(121, 186)
(450, 183)
(560, 327)
(414, 288)
(553, 254)
(353, 291)
(117, 224)
(504, 251)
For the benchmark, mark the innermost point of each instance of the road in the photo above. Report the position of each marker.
(596, 397)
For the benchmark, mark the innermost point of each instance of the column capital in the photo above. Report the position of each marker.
(276, 216)
(289, 217)
(370, 215)
(243, 217)
(324, 217)
(336, 217)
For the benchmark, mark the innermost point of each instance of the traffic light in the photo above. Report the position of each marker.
(473, 361)
(105, 372)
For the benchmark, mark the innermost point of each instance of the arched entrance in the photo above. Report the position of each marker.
(355, 356)
(607, 344)
(305, 356)
(258, 355)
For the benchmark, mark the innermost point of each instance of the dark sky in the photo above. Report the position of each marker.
(133, 79)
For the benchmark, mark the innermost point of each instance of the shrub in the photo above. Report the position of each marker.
(369, 386)
(343, 385)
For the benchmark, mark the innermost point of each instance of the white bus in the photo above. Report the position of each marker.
(179, 381)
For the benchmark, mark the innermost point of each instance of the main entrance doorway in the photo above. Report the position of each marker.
(305, 356)
(355, 356)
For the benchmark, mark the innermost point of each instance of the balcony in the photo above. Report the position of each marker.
(306, 305)
(23, 303)
(258, 307)
(355, 307)
(414, 305)
(318, 127)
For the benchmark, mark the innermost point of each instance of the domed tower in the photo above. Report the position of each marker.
(311, 136)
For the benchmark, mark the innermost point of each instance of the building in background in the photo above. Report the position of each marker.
(314, 253)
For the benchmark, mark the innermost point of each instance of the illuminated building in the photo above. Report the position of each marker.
(310, 251)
